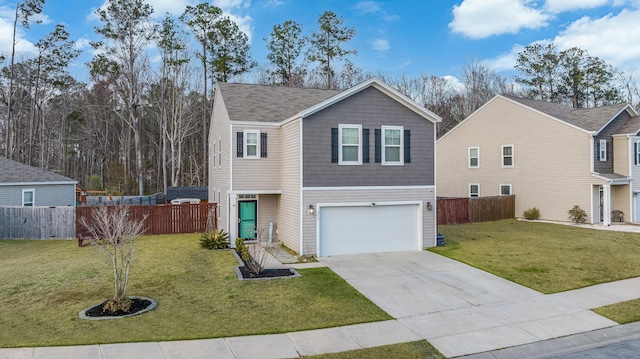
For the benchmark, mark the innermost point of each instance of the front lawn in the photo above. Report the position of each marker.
(546, 257)
(622, 313)
(45, 284)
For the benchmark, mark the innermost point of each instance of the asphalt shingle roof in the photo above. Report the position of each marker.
(590, 119)
(262, 103)
(16, 172)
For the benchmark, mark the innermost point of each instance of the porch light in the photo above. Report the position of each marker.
(311, 210)
(429, 207)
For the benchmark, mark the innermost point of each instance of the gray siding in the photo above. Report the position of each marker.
(607, 134)
(372, 109)
(45, 195)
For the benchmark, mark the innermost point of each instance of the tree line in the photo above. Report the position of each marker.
(137, 127)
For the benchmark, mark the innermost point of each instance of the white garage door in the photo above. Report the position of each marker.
(368, 229)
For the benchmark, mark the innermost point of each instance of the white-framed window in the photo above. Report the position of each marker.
(474, 157)
(507, 156)
(505, 190)
(28, 197)
(220, 152)
(474, 190)
(602, 150)
(350, 144)
(251, 144)
(213, 151)
(392, 145)
(637, 153)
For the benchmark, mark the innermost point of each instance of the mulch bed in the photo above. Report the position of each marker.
(268, 273)
(137, 305)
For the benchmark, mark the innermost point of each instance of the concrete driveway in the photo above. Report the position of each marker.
(459, 309)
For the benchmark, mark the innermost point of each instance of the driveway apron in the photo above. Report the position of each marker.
(460, 309)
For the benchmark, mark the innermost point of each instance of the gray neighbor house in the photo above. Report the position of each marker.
(326, 172)
(27, 186)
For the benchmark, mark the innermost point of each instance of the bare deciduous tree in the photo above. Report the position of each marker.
(114, 231)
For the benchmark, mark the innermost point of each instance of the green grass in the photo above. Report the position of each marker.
(45, 284)
(622, 313)
(414, 350)
(546, 257)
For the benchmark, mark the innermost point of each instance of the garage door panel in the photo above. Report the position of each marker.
(368, 229)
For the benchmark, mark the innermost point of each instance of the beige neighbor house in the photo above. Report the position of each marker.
(549, 156)
(325, 172)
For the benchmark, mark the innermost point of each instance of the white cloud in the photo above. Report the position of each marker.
(454, 83)
(505, 61)
(380, 45)
(612, 38)
(273, 3)
(23, 46)
(174, 7)
(373, 8)
(557, 6)
(83, 43)
(479, 19)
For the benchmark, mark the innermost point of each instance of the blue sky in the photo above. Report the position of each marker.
(436, 37)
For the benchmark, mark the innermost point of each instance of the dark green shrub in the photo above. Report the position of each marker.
(577, 214)
(214, 239)
(531, 214)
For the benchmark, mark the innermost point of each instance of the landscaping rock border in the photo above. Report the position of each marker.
(294, 273)
(150, 307)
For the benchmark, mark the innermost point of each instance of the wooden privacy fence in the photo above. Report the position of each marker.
(162, 218)
(37, 222)
(475, 209)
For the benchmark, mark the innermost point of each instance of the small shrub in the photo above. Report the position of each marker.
(531, 214)
(240, 246)
(577, 214)
(214, 239)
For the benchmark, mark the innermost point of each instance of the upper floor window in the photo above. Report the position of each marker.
(505, 189)
(474, 190)
(602, 150)
(350, 142)
(636, 153)
(474, 157)
(392, 142)
(507, 156)
(250, 144)
(28, 197)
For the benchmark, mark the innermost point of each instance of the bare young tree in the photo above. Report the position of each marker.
(113, 231)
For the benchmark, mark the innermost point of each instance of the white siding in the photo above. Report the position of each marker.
(552, 160)
(261, 173)
(220, 175)
(288, 203)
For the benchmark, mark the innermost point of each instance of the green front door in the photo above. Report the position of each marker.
(247, 219)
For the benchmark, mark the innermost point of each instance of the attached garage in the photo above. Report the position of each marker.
(368, 228)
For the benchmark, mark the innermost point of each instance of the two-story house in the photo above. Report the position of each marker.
(327, 172)
(548, 155)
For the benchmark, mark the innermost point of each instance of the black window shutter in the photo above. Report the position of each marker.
(263, 145)
(635, 153)
(239, 145)
(365, 145)
(407, 146)
(598, 149)
(334, 145)
(378, 139)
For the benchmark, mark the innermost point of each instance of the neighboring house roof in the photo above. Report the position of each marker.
(12, 172)
(201, 193)
(263, 103)
(590, 119)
